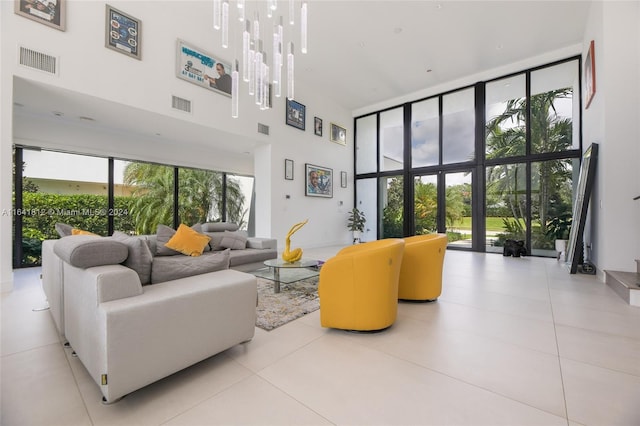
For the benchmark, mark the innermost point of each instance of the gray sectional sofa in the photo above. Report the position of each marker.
(128, 333)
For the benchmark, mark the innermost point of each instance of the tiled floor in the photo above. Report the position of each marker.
(509, 342)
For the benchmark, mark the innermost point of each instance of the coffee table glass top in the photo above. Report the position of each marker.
(279, 263)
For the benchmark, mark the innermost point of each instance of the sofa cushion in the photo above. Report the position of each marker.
(164, 234)
(139, 258)
(63, 229)
(219, 226)
(187, 241)
(167, 268)
(236, 240)
(262, 243)
(85, 251)
(76, 231)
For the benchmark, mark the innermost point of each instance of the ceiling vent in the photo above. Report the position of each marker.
(263, 128)
(180, 104)
(38, 60)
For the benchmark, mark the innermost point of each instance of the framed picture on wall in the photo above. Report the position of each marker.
(338, 134)
(288, 169)
(122, 33)
(296, 113)
(51, 12)
(590, 74)
(317, 126)
(202, 68)
(318, 181)
(343, 179)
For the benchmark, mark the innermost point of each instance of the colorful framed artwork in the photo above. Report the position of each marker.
(338, 134)
(590, 75)
(317, 126)
(343, 179)
(50, 13)
(288, 169)
(318, 181)
(202, 68)
(296, 114)
(122, 33)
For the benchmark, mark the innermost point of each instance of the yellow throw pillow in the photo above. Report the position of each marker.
(75, 231)
(187, 241)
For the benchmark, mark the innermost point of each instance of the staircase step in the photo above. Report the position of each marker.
(626, 284)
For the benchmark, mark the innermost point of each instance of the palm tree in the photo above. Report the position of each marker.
(549, 133)
(199, 196)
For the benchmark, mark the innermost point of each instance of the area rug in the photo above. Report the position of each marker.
(294, 301)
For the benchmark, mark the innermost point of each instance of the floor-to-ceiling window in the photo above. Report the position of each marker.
(101, 195)
(485, 163)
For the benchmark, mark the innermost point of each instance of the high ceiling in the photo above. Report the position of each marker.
(365, 52)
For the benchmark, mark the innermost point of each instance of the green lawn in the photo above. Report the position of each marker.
(492, 224)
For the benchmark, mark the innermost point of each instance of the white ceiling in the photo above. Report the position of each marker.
(362, 53)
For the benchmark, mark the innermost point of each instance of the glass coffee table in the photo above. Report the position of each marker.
(276, 265)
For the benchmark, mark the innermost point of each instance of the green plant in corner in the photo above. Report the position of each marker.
(559, 226)
(355, 223)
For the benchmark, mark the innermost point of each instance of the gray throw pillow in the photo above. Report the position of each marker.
(140, 256)
(234, 240)
(63, 229)
(170, 268)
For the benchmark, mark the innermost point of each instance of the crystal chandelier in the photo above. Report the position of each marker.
(264, 53)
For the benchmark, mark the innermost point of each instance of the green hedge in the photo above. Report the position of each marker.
(41, 212)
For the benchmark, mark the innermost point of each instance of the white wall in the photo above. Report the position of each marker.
(87, 67)
(613, 121)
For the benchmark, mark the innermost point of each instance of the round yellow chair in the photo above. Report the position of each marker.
(358, 287)
(421, 271)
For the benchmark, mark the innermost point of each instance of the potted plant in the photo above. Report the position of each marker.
(356, 223)
(559, 228)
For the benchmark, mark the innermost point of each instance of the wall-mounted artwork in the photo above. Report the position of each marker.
(343, 179)
(122, 32)
(288, 169)
(590, 74)
(318, 181)
(317, 126)
(338, 134)
(51, 12)
(296, 114)
(202, 68)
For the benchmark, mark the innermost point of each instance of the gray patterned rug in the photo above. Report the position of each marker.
(294, 300)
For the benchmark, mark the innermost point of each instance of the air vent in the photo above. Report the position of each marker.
(181, 104)
(37, 60)
(263, 128)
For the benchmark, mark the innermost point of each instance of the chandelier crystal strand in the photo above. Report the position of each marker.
(235, 90)
(277, 58)
(303, 27)
(259, 73)
(290, 70)
(246, 45)
(252, 67)
(225, 24)
(216, 14)
(241, 10)
(265, 90)
(292, 12)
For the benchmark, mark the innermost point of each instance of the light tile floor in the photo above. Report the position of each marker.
(509, 342)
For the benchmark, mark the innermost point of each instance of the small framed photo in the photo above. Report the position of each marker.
(296, 114)
(343, 179)
(318, 181)
(202, 68)
(317, 126)
(590, 74)
(122, 33)
(50, 13)
(338, 134)
(288, 169)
